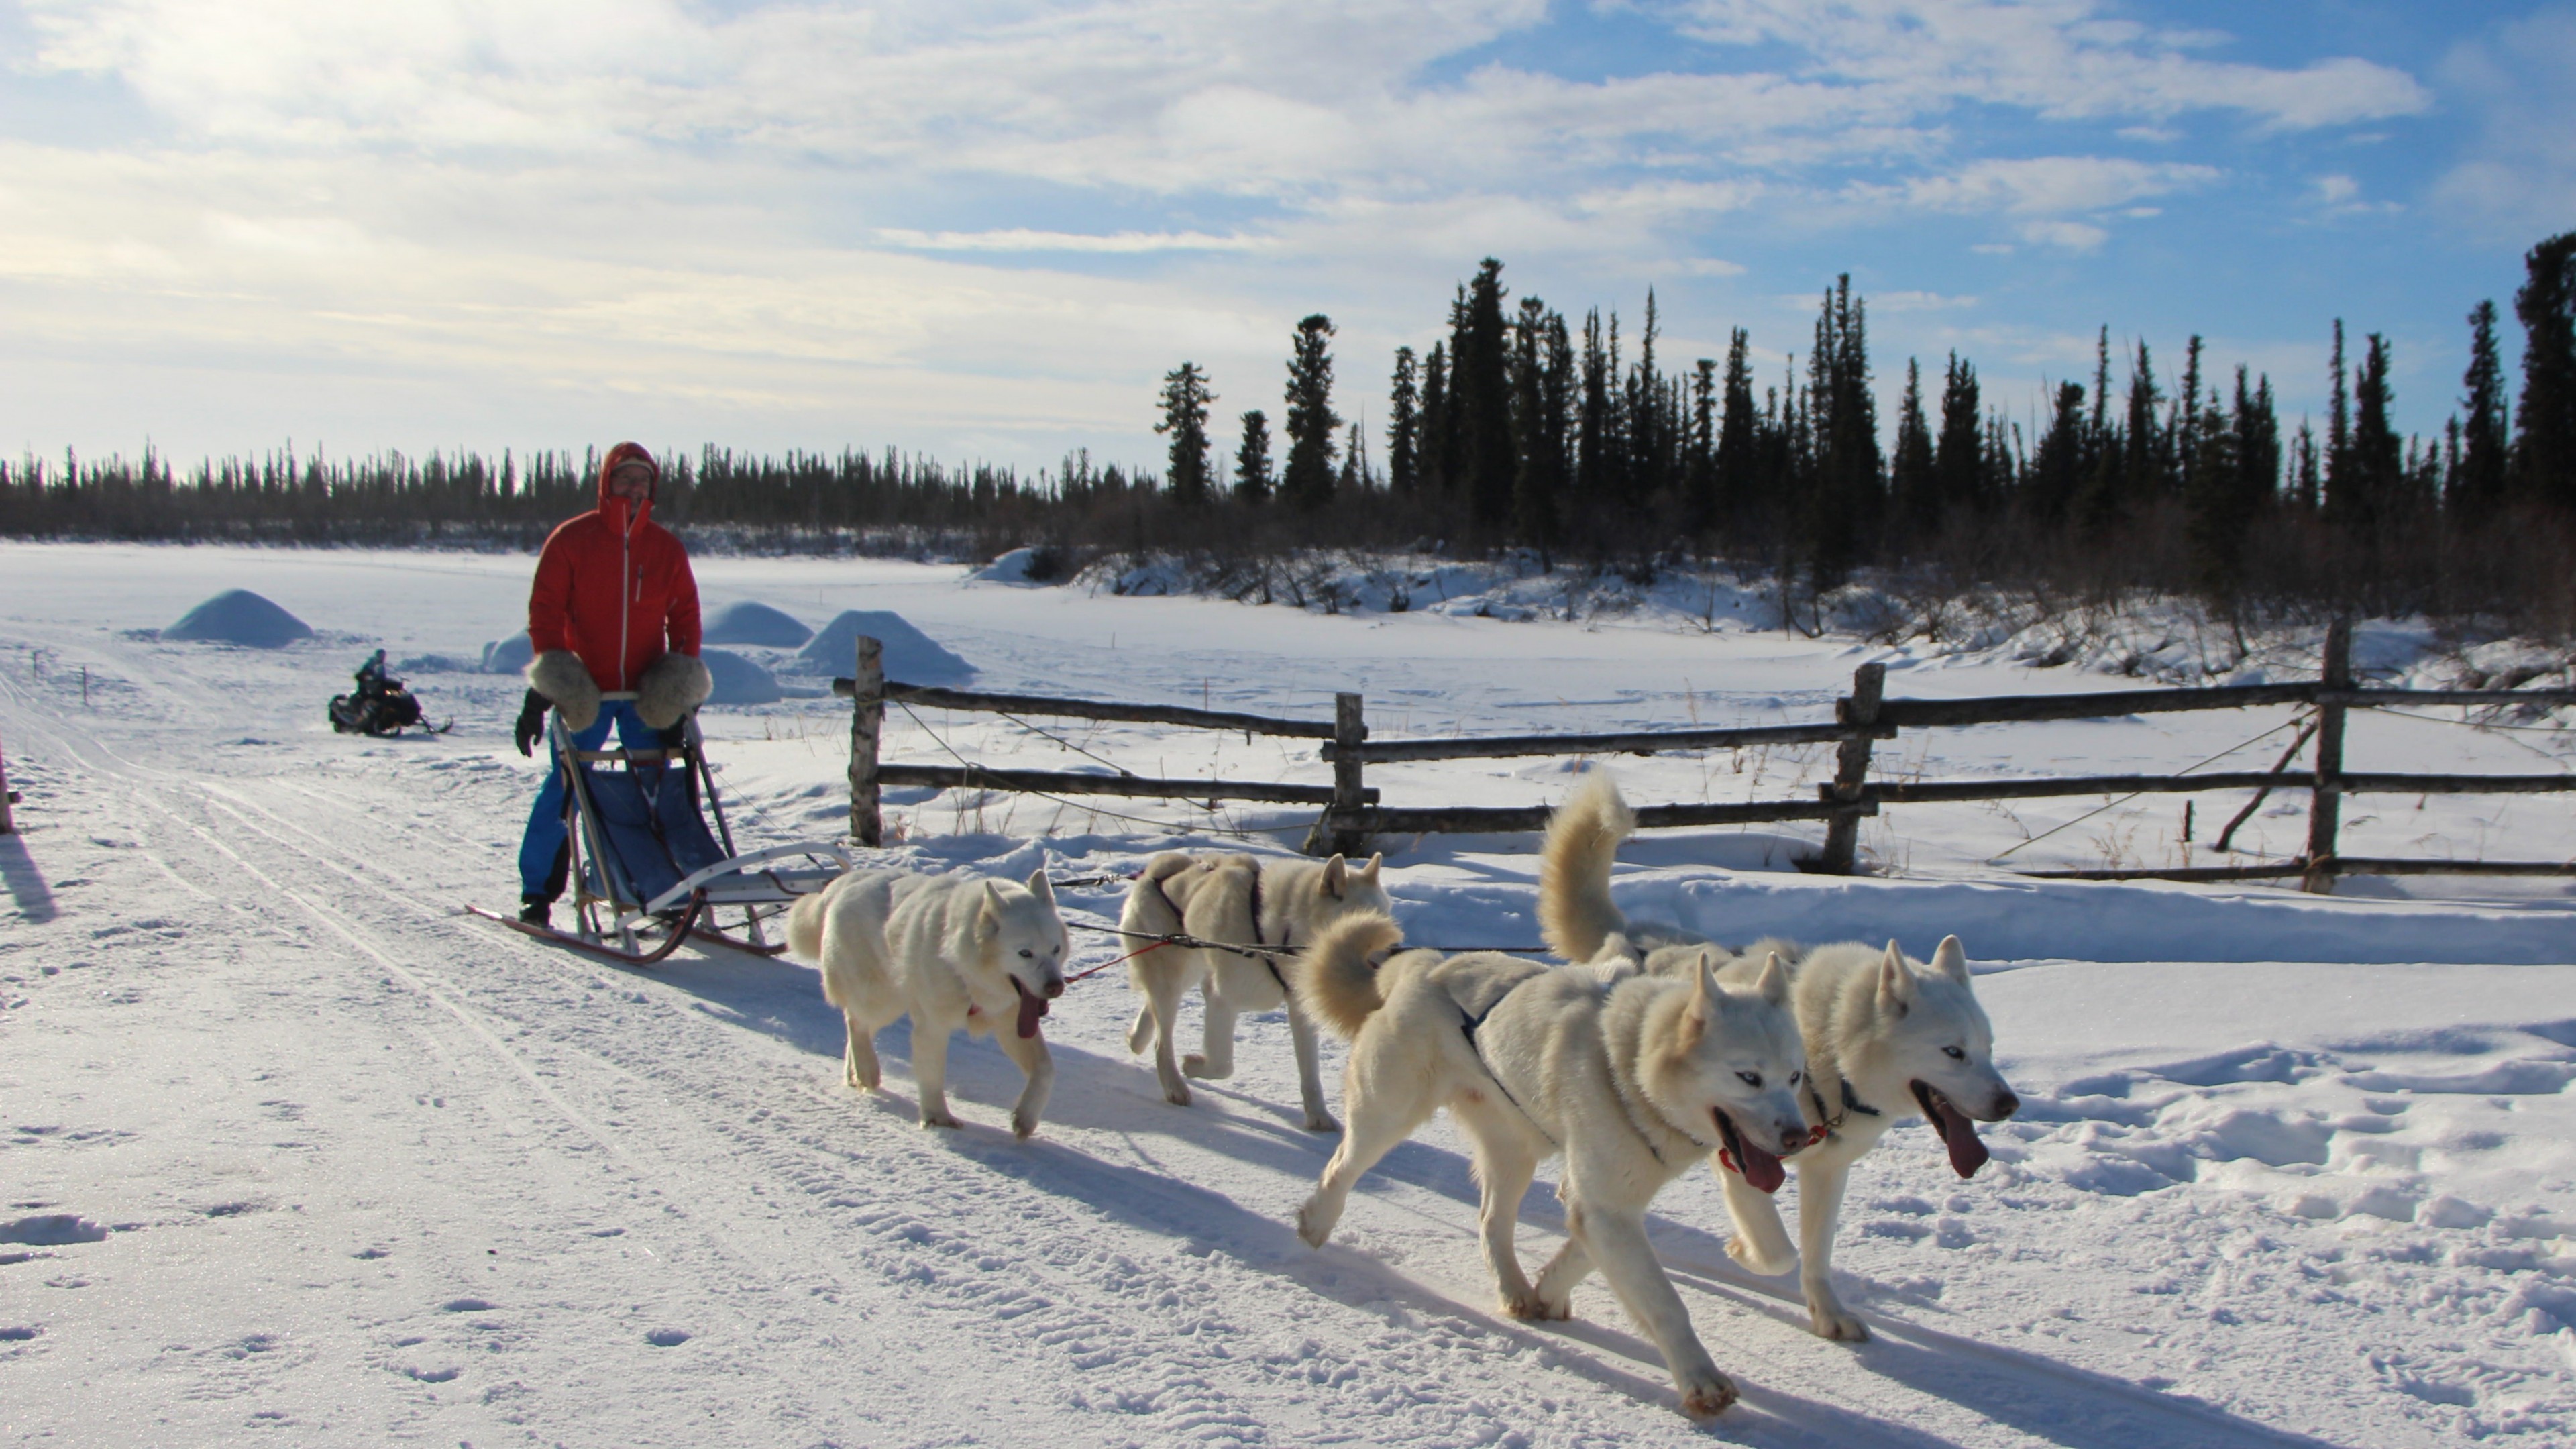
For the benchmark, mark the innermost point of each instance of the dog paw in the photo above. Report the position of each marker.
(1753, 1260)
(1177, 1094)
(1319, 1121)
(1314, 1224)
(1705, 1396)
(1832, 1320)
(1023, 1124)
(1533, 1307)
(939, 1119)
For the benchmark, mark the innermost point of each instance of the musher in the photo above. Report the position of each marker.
(614, 620)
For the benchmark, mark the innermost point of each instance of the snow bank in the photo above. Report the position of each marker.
(910, 655)
(238, 616)
(738, 680)
(745, 621)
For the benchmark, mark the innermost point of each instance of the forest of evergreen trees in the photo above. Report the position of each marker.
(1522, 429)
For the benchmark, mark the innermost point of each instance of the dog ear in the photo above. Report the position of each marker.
(1336, 872)
(1039, 887)
(988, 920)
(1706, 1004)
(1895, 981)
(1368, 872)
(1773, 983)
(1951, 960)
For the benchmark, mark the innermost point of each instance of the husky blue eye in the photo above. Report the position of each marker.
(1751, 1079)
(1954, 1054)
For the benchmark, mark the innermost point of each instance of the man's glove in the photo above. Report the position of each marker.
(677, 735)
(532, 723)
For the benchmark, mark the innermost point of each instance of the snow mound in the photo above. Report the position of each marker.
(910, 655)
(508, 656)
(238, 616)
(746, 622)
(1034, 567)
(738, 680)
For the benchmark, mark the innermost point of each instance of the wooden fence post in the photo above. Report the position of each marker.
(1340, 832)
(2325, 809)
(867, 721)
(1851, 772)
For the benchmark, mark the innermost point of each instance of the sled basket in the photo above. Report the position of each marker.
(645, 855)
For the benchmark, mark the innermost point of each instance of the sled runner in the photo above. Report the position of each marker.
(648, 873)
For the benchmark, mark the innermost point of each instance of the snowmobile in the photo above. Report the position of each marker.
(647, 873)
(381, 705)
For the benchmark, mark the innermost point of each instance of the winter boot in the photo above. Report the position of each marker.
(536, 910)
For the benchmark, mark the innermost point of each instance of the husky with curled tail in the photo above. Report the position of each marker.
(1633, 1082)
(949, 951)
(1887, 1037)
(1245, 900)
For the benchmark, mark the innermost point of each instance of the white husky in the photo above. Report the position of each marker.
(1633, 1083)
(949, 951)
(1241, 900)
(1885, 1037)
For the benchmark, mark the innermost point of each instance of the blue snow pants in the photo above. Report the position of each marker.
(542, 850)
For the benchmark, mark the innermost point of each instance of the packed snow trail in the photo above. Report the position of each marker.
(296, 1153)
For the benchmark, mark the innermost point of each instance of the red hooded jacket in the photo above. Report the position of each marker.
(614, 588)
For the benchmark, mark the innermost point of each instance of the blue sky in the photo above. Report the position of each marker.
(986, 229)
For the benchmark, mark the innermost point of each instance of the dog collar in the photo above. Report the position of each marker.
(1827, 1125)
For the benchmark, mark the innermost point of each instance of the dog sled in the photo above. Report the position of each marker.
(647, 871)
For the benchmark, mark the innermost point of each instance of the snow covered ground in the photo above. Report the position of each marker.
(291, 1152)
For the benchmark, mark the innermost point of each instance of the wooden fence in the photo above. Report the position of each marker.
(1352, 811)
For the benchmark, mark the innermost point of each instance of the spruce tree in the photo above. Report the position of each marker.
(2057, 467)
(1538, 473)
(1699, 469)
(2544, 452)
(1185, 414)
(2479, 476)
(1436, 432)
(1252, 481)
(1958, 469)
(1480, 389)
(2378, 466)
(1600, 451)
(2217, 506)
(1738, 435)
(1649, 467)
(2146, 470)
(1403, 426)
(1910, 472)
(1844, 498)
(2307, 480)
(1307, 481)
(2338, 458)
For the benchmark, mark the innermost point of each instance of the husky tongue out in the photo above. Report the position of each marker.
(1031, 1008)
(1967, 1150)
(1758, 1167)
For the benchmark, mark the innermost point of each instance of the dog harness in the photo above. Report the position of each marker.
(1268, 962)
(1468, 1024)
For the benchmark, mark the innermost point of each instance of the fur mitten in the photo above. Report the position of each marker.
(670, 687)
(559, 675)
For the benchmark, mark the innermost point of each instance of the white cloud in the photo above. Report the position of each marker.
(1022, 239)
(2060, 58)
(2050, 185)
(2517, 178)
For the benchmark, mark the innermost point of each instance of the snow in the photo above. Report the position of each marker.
(738, 680)
(238, 616)
(909, 654)
(747, 621)
(293, 1152)
(510, 655)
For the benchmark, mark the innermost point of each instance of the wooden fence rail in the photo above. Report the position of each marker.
(1352, 810)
